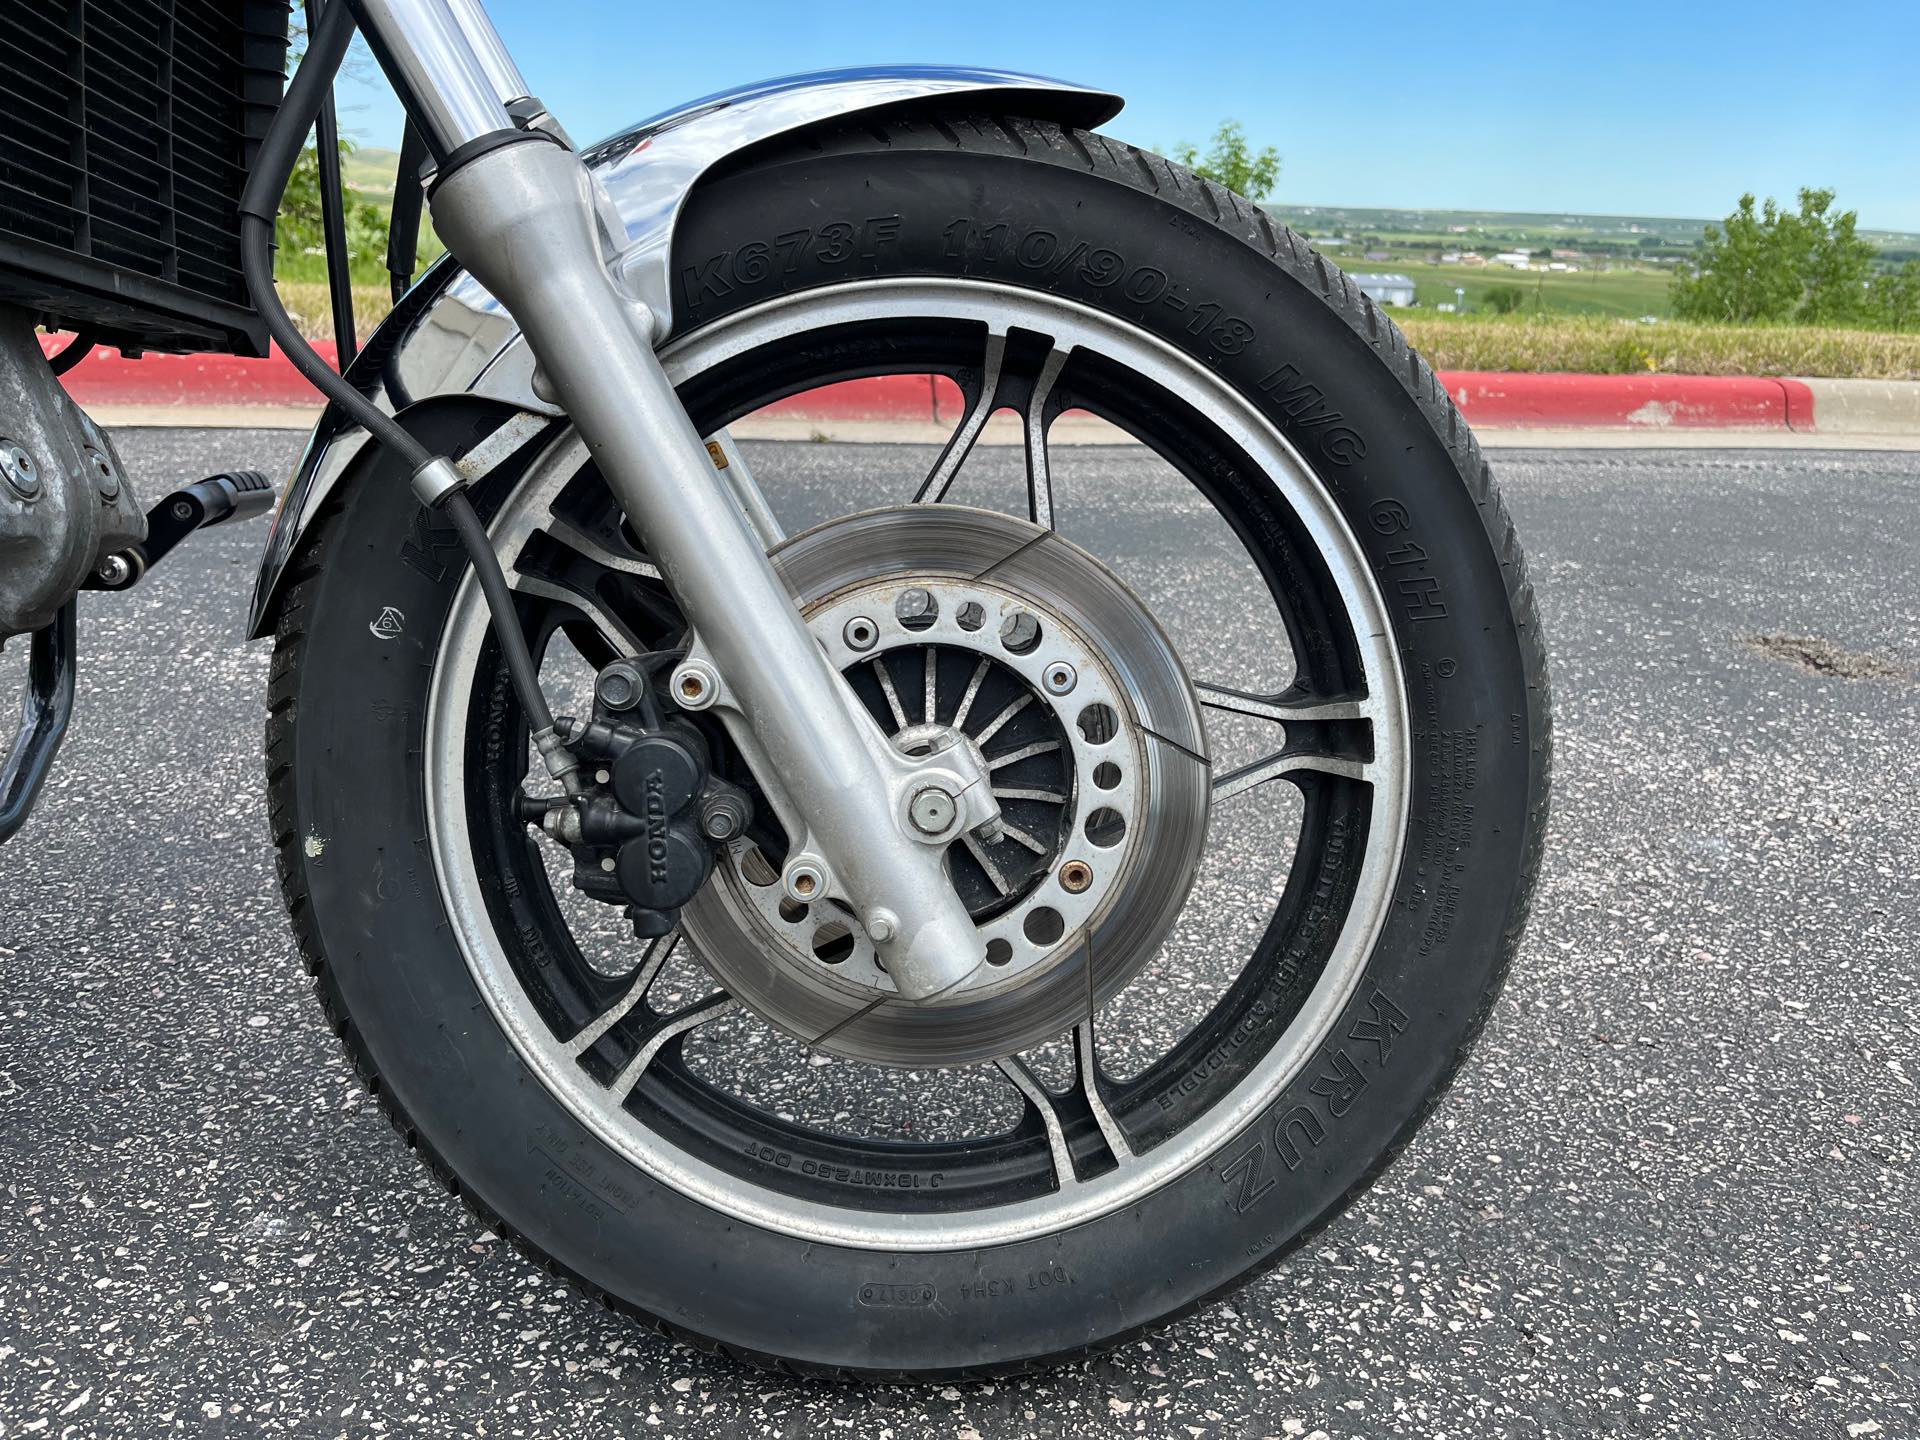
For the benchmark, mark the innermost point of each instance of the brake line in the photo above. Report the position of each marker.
(436, 482)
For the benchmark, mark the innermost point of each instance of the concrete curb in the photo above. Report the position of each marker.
(1652, 404)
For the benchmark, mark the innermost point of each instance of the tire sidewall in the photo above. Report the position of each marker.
(425, 1028)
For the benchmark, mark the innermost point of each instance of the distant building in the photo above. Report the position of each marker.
(1385, 289)
(1449, 257)
(1377, 255)
(1518, 259)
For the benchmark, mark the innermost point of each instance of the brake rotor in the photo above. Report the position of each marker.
(963, 626)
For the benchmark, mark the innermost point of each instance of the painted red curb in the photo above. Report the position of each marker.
(1493, 399)
(1652, 402)
(106, 377)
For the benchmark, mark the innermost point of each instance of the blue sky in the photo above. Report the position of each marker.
(1622, 108)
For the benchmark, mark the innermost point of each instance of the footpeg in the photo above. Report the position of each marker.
(231, 495)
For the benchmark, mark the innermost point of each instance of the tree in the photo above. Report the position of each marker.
(1503, 299)
(1893, 298)
(299, 229)
(1233, 163)
(1775, 264)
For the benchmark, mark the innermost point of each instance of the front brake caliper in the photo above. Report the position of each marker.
(645, 826)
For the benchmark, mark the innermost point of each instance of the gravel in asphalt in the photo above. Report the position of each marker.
(1673, 1193)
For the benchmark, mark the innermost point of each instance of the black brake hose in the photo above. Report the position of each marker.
(259, 207)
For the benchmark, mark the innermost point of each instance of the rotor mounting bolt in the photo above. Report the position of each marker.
(1020, 632)
(1075, 877)
(23, 476)
(1061, 678)
(805, 880)
(695, 686)
(882, 926)
(916, 608)
(932, 810)
(860, 633)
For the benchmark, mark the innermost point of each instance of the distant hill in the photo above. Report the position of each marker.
(370, 172)
(1644, 235)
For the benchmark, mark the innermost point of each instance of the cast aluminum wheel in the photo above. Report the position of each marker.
(617, 1063)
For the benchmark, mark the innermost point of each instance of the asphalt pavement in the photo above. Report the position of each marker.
(1673, 1193)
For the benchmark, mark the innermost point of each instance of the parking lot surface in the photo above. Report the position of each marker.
(1673, 1193)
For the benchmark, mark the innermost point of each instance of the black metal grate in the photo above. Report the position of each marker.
(126, 129)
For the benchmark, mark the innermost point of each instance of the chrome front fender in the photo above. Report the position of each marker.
(449, 336)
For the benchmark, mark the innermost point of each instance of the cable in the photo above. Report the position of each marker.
(260, 205)
(273, 163)
(493, 584)
(72, 353)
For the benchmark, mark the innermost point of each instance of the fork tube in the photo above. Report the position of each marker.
(437, 67)
(522, 213)
(488, 48)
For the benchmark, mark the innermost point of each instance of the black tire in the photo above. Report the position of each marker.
(347, 713)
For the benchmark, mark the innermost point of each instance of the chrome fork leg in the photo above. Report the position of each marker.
(522, 213)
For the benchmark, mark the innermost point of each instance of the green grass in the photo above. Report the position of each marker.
(1629, 293)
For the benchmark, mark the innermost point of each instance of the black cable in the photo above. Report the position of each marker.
(333, 220)
(72, 353)
(493, 584)
(259, 206)
(403, 229)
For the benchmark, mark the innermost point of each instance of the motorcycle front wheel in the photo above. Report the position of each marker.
(1268, 847)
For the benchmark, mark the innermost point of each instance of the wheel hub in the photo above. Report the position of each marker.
(966, 627)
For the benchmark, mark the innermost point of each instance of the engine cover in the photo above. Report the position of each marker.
(65, 503)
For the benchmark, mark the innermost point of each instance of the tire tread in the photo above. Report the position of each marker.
(1039, 141)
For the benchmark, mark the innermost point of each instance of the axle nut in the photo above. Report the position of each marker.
(932, 810)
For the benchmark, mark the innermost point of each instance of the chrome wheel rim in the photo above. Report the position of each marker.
(1066, 1124)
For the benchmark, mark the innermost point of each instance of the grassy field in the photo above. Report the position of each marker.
(1631, 293)
(1597, 345)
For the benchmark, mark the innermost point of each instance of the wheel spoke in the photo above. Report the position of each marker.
(1313, 725)
(893, 695)
(559, 528)
(1021, 837)
(1088, 1082)
(1041, 1103)
(1025, 752)
(1057, 1112)
(960, 444)
(612, 629)
(1279, 708)
(1274, 767)
(993, 726)
(658, 952)
(995, 874)
(973, 689)
(679, 1023)
(1039, 473)
(930, 713)
(1022, 792)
